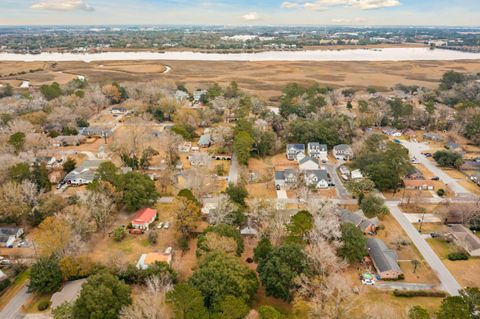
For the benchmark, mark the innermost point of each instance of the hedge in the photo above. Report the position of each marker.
(419, 293)
(457, 256)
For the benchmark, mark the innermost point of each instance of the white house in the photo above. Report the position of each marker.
(284, 178)
(356, 174)
(295, 151)
(144, 218)
(318, 178)
(318, 151)
(308, 163)
(25, 85)
(343, 152)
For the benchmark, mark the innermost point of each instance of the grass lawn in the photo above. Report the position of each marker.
(32, 304)
(11, 291)
(441, 247)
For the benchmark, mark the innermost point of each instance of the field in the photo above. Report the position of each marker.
(263, 78)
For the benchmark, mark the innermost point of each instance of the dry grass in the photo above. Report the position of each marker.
(262, 190)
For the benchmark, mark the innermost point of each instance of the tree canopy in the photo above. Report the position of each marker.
(354, 243)
(45, 276)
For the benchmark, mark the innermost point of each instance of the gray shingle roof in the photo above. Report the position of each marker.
(307, 159)
(384, 258)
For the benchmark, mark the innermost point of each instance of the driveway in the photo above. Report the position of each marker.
(427, 218)
(13, 309)
(416, 150)
(233, 175)
(449, 283)
(341, 190)
(391, 285)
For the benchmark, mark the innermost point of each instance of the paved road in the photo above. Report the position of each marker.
(449, 283)
(341, 190)
(416, 150)
(14, 307)
(233, 175)
(391, 285)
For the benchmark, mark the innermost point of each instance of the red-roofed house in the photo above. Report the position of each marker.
(144, 218)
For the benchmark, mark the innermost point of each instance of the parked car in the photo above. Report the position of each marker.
(368, 282)
(160, 226)
(136, 231)
(397, 141)
(166, 225)
(436, 178)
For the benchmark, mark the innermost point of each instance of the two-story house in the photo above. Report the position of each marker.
(343, 152)
(318, 178)
(295, 151)
(318, 151)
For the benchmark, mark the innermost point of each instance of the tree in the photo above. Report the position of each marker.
(237, 194)
(417, 312)
(19, 172)
(354, 243)
(454, 308)
(51, 91)
(360, 187)
(17, 141)
(53, 236)
(451, 78)
(108, 172)
(187, 217)
(188, 195)
(269, 312)
(222, 230)
(150, 303)
(69, 165)
(448, 159)
(300, 224)
(101, 297)
(187, 302)
(374, 206)
(264, 247)
(45, 276)
(278, 270)
(100, 207)
(220, 275)
(64, 311)
(40, 177)
(231, 308)
(13, 206)
(138, 190)
(243, 146)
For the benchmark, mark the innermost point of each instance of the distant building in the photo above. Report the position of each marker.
(433, 137)
(25, 85)
(146, 260)
(8, 236)
(318, 151)
(416, 184)
(452, 146)
(384, 259)
(95, 131)
(343, 152)
(466, 239)
(181, 96)
(356, 174)
(205, 140)
(198, 95)
(118, 110)
(144, 218)
(294, 150)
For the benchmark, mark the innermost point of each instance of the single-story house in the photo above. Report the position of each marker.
(391, 132)
(466, 239)
(318, 151)
(452, 146)
(285, 178)
(71, 140)
(293, 150)
(205, 140)
(95, 131)
(433, 137)
(84, 174)
(69, 293)
(118, 110)
(343, 152)
(308, 163)
(144, 218)
(148, 259)
(318, 178)
(49, 161)
(8, 236)
(366, 225)
(470, 166)
(25, 85)
(356, 174)
(181, 96)
(475, 178)
(384, 259)
(412, 184)
(248, 231)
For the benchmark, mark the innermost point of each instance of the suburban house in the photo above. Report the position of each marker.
(69, 293)
(95, 131)
(452, 146)
(343, 152)
(148, 259)
(308, 163)
(84, 174)
(470, 166)
(49, 161)
(318, 151)
(318, 178)
(197, 95)
(418, 184)
(466, 239)
(475, 178)
(181, 96)
(356, 174)
(144, 218)
(366, 225)
(433, 137)
(294, 150)
(248, 231)
(118, 110)
(391, 132)
(205, 140)
(285, 178)
(384, 259)
(8, 236)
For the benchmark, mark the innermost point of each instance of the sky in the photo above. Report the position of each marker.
(249, 12)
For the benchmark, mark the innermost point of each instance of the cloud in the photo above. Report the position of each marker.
(289, 5)
(320, 5)
(251, 16)
(62, 5)
(346, 21)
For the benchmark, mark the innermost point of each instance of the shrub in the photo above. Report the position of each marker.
(4, 285)
(441, 192)
(457, 256)
(43, 305)
(119, 234)
(419, 293)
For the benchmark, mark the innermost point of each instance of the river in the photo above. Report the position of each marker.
(386, 54)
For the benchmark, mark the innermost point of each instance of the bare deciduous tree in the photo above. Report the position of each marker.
(222, 214)
(100, 207)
